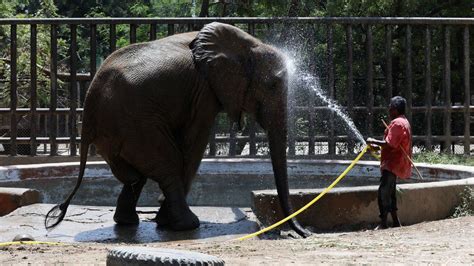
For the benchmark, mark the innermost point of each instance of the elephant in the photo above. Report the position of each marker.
(150, 108)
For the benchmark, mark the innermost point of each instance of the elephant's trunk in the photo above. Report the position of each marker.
(277, 139)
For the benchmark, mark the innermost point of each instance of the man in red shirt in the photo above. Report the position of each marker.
(396, 147)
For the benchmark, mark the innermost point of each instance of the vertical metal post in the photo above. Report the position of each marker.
(311, 127)
(252, 142)
(330, 76)
(54, 92)
(350, 80)
(170, 29)
(93, 63)
(232, 139)
(152, 31)
(467, 92)
(408, 73)
(33, 94)
(388, 62)
(112, 38)
(447, 88)
(428, 89)
(73, 93)
(251, 29)
(212, 140)
(133, 33)
(370, 81)
(13, 90)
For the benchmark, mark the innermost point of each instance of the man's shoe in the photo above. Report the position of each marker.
(396, 221)
(381, 226)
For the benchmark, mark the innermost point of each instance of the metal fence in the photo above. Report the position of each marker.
(360, 63)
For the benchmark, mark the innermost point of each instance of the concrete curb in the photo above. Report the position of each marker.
(13, 198)
(356, 207)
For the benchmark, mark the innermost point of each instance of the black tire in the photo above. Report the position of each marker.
(159, 256)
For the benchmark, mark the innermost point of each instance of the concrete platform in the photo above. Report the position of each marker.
(95, 224)
(356, 207)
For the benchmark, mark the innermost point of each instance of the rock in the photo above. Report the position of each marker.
(23, 237)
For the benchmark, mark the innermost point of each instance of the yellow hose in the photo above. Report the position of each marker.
(311, 202)
(28, 243)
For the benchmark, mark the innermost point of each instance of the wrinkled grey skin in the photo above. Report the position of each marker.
(150, 108)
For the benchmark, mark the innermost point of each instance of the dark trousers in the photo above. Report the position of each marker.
(387, 198)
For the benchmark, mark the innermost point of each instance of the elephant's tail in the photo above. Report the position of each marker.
(57, 213)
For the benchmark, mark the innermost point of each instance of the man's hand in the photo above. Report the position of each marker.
(374, 147)
(371, 141)
(374, 142)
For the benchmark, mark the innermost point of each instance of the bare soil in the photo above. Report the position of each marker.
(440, 242)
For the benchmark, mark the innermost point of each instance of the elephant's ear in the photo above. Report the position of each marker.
(223, 54)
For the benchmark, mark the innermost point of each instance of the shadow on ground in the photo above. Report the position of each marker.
(95, 224)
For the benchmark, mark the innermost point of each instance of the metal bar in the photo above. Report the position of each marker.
(152, 31)
(242, 20)
(428, 89)
(112, 38)
(73, 93)
(170, 29)
(93, 65)
(212, 141)
(388, 62)
(251, 29)
(408, 73)
(447, 88)
(311, 127)
(232, 139)
(54, 91)
(370, 81)
(330, 76)
(350, 79)
(133, 33)
(33, 94)
(252, 142)
(13, 91)
(467, 92)
(82, 96)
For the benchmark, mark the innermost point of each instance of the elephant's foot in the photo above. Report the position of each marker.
(125, 213)
(122, 217)
(161, 217)
(186, 221)
(176, 219)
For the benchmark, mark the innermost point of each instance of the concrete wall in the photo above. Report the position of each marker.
(220, 182)
(356, 207)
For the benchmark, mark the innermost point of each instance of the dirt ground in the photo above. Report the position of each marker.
(440, 242)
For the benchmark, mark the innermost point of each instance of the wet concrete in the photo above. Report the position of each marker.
(95, 224)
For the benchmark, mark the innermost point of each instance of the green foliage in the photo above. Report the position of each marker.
(466, 208)
(45, 8)
(443, 158)
(311, 39)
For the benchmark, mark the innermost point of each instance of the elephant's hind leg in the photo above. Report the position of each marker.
(125, 213)
(174, 212)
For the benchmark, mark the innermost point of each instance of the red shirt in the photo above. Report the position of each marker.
(397, 136)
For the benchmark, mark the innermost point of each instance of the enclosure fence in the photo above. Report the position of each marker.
(360, 63)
